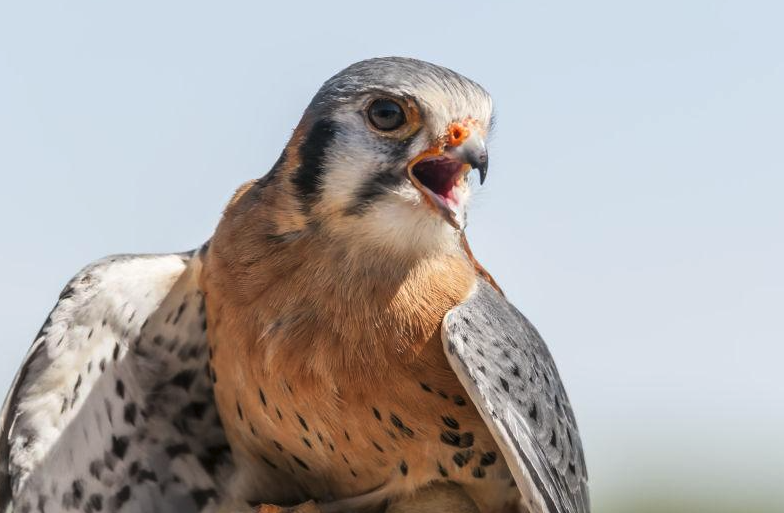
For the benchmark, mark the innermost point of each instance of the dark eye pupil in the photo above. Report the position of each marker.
(386, 115)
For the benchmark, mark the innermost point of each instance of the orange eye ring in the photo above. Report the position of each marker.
(457, 133)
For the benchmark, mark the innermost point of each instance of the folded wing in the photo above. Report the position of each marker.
(510, 375)
(112, 409)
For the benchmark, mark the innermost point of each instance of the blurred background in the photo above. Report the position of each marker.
(634, 208)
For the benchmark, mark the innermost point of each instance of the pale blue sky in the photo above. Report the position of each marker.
(633, 208)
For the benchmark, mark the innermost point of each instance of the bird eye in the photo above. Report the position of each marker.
(386, 115)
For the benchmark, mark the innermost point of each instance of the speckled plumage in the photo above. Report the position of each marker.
(113, 409)
(308, 337)
(511, 377)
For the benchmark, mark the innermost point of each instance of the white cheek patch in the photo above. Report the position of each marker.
(353, 158)
(403, 222)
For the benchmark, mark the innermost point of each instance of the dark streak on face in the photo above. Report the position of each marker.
(391, 174)
(372, 188)
(309, 176)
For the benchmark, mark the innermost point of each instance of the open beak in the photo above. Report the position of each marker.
(439, 172)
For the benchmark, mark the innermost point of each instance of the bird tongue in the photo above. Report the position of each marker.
(438, 174)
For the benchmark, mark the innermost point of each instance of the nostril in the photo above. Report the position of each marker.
(457, 134)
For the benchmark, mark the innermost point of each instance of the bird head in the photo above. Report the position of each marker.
(384, 150)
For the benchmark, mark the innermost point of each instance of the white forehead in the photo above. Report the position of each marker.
(443, 95)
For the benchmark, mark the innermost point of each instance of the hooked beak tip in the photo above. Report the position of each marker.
(469, 146)
(480, 163)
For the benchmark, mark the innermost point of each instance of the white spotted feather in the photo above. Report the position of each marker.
(511, 378)
(112, 409)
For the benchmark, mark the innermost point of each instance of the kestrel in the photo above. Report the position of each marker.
(335, 341)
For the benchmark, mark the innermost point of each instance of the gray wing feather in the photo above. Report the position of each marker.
(112, 409)
(511, 377)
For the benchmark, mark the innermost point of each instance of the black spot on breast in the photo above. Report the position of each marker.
(458, 400)
(116, 351)
(302, 422)
(239, 410)
(307, 442)
(553, 440)
(268, 462)
(300, 463)
(450, 422)
(262, 398)
(352, 472)
(280, 417)
(120, 446)
(450, 438)
(466, 440)
(504, 384)
(119, 388)
(277, 445)
(478, 472)
(463, 457)
(425, 387)
(404, 468)
(376, 414)
(348, 438)
(308, 178)
(395, 420)
(378, 447)
(488, 459)
(442, 470)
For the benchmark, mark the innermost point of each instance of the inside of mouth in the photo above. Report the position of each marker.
(438, 174)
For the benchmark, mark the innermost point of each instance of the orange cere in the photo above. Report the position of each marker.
(457, 133)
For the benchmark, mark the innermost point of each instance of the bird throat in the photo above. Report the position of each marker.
(308, 336)
(293, 298)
